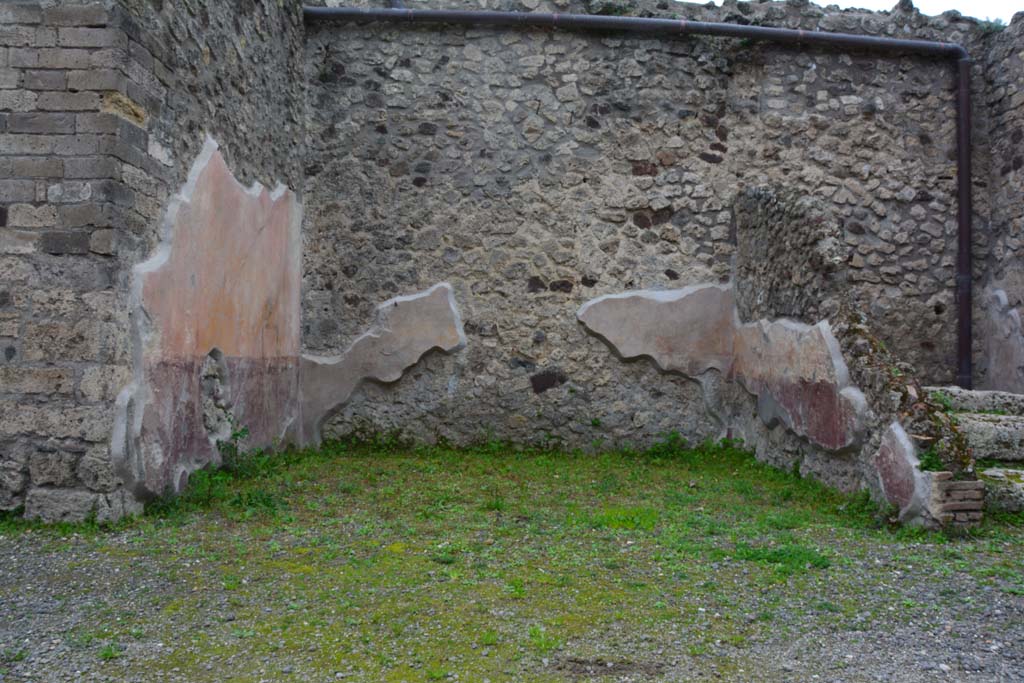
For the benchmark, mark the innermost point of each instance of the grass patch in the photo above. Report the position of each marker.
(789, 558)
(631, 518)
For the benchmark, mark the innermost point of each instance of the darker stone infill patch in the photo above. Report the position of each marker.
(548, 379)
(535, 284)
(564, 286)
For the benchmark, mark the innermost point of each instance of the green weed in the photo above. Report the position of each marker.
(110, 651)
(788, 559)
(631, 518)
(542, 641)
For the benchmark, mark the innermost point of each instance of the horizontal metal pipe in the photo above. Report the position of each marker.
(635, 25)
(798, 37)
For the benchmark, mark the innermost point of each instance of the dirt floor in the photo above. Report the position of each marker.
(378, 563)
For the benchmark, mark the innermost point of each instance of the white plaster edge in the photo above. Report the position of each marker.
(916, 511)
(133, 397)
(656, 295)
(379, 324)
(672, 295)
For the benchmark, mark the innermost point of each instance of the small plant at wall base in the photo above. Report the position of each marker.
(930, 461)
(230, 448)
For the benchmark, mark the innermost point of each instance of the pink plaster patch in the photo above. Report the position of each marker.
(902, 482)
(225, 279)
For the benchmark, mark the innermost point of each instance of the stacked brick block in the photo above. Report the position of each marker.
(957, 503)
(77, 191)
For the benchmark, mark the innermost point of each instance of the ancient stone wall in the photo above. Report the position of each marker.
(66, 207)
(493, 222)
(537, 170)
(104, 106)
(1000, 348)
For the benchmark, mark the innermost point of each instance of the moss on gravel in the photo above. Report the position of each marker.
(383, 563)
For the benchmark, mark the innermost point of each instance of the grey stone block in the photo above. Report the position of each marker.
(975, 401)
(103, 242)
(91, 167)
(17, 241)
(17, 36)
(995, 437)
(117, 505)
(9, 78)
(52, 124)
(64, 242)
(14, 475)
(62, 58)
(93, 14)
(23, 57)
(97, 123)
(55, 468)
(60, 505)
(46, 37)
(37, 79)
(35, 167)
(96, 472)
(20, 13)
(17, 191)
(92, 37)
(68, 101)
(1004, 489)
(69, 192)
(91, 213)
(97, 79)
(29, 216)
(141, 55)
(18, 100)
(34, 380)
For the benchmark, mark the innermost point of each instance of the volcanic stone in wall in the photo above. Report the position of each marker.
(215, 329)
(790, 256)
(796, 371)
(407, 327)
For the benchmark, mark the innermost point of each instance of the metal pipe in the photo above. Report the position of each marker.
(964, 275)
(799, 37)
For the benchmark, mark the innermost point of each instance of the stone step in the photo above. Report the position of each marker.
(994, 437)
(1004, 489)
(971, 401)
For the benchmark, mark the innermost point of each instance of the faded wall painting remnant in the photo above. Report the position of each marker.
(796, 370)
(407, 327)
(1002, 338)
(215, 329)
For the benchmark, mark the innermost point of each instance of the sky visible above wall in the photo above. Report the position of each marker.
(986, 9)
(982, 9)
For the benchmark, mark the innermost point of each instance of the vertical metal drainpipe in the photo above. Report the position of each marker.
(676, 27)
(964, 275)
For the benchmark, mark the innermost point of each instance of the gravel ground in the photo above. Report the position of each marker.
(221, 593)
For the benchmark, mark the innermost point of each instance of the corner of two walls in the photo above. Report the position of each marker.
(214, 287)
(999, 301)
(220, 279)
(103, 108)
